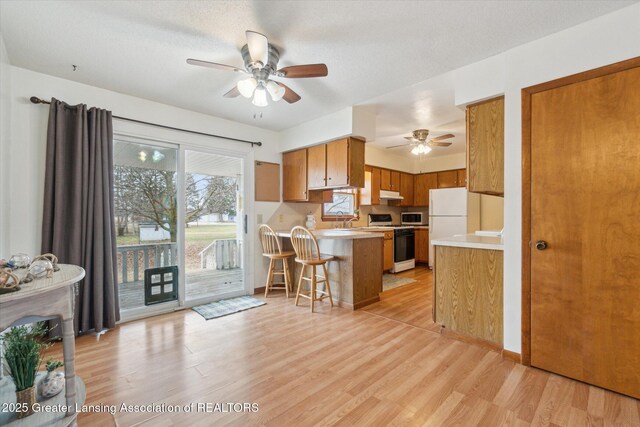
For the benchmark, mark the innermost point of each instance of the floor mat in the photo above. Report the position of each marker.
(227, 306)
(390, 281)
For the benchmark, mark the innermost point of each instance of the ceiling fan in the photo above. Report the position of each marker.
(261, 64)
(422, 145)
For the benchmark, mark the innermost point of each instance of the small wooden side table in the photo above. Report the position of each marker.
(46, 299)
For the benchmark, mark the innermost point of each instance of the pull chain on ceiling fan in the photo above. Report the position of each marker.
(261, 64)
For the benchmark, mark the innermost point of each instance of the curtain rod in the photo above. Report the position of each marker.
(36, 100)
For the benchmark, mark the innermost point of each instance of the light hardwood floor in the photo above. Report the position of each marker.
(380, 366)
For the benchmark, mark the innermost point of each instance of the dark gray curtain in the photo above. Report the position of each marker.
(78, 219)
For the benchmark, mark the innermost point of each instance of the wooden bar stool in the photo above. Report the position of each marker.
(308, 254)
(271, 249)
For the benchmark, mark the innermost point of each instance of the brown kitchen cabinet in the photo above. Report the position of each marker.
(422, 245)
(448, 179)
(406, 190)
(485, 147)
(370, 194)
(336, 164)
(395, 181)
(295, 176)
(388, 251)
(462, 177)
(385, 179)
(317, 166)
(422, 183)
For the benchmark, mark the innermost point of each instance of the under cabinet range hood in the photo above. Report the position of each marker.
(390, 195)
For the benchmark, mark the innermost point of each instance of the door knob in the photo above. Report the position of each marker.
(541, 245)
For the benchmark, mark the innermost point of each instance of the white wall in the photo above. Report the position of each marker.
(440, 163)
(5, 154)
(28, 141)
(383, 158)
(602, 41)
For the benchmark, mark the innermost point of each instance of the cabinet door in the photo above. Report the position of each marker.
(406, 189)
(317, 166)
(485, 147)
(385, 179)
(375, 186)
(462, 177)
(422, 245)
(338, 163)
(422, 184)
(294, 176)
(388, 254)
(395, 181)
(447, 179)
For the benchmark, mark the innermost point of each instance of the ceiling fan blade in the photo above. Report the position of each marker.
(439, 144)
(441, 137)
(304, 71)
(258, 47)
(215, 65)
(233, 93)
(401, 145)
(412, 139)
(289, 95)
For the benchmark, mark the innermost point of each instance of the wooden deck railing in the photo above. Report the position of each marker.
(223, 254)
(133, 260)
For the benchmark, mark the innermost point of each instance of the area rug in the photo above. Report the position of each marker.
(389, 281)
(227, 306)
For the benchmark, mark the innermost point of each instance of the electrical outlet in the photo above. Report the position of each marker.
(281, 218)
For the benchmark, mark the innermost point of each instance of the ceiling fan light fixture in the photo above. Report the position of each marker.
(420, 149)
(246, 87)
(260, 97)
(275, 90)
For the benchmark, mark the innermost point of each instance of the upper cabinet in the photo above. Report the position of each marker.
(370, 194)
(294, 173)
(485, 147)
(448, 179)
(336, 164)
(421, 185)
(406, 189)
(317, 169)
(389, 180)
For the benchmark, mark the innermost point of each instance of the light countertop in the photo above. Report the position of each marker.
(330, 233)
(471, 241)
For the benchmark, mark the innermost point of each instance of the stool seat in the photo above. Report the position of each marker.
(284, 254)
(323, 259)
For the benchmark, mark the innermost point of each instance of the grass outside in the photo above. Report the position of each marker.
(197, 237)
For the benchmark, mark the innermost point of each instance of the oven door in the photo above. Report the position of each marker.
(404, 245)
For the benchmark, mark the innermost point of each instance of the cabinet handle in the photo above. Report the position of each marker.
(329, 178)
(541, 245)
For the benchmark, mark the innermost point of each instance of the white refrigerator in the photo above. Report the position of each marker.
(452, 211)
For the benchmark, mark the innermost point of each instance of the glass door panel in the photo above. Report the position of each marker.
(145, 195)
(213, 232)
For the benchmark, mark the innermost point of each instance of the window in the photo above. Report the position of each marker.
(343, 204)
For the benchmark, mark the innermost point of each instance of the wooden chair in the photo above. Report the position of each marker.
(271, 249)
(308, 254)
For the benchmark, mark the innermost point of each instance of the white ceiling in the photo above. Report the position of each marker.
(371, 49)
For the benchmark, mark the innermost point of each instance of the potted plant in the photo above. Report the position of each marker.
(53, 382)
(23, 353)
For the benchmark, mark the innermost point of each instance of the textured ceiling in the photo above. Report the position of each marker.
(371, 49)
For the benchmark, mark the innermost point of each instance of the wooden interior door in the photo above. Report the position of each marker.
(585, 205)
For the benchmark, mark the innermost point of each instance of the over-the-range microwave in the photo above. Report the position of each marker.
(414, 218)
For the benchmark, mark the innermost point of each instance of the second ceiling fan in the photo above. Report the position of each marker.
(421, 143)
(261, 65)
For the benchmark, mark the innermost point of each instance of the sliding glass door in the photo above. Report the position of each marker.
(146, 216)
(213, 232)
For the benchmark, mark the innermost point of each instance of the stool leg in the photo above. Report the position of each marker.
(300, 283)
(285, 276)
(286, 260)
(326, 283)
(269, 277)
(313, 287)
